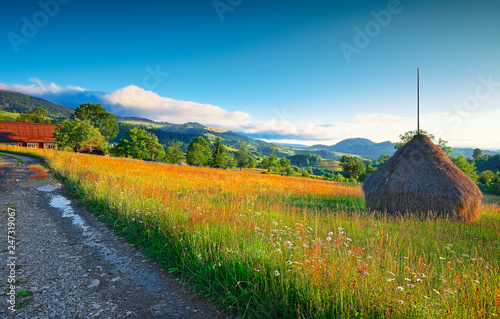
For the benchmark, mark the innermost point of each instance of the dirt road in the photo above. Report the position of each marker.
(66, 264)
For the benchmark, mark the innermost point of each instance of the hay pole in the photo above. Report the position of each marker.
(418, 101)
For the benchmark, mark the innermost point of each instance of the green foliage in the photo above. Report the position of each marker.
(492, 188)
(242, 156)
(477, 153)
(174, 153)
(488, 162)
(382, 159)
(198, 152)
(352, 166)
(369, 169)
(284, 166)
(304, 159)
(305, 174)
(139, 144)
(252, 163)
(78, 135)
(37, 115)
(106, 122)
(219, 154)
(272, 163)
(22, 103)
(486, 177)
(468, 168)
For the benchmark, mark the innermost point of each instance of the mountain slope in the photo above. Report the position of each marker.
(359, 146)
(20, 103)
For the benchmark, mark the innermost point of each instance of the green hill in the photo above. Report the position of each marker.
(15, 102)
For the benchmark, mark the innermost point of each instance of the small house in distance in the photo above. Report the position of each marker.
(420, 179)
(31, 135)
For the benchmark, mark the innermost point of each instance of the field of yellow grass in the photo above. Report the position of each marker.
(264, 246)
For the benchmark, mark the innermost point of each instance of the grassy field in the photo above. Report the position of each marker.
(264, 246)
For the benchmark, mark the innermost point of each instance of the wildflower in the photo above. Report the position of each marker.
(257, 270)
(258, 250)
(407, 268)
(278, 250)
(408, 279)
(288, 262)
(199, 256)
(330, 233)
(276, 273)
(361, 271)
(442, 258)
(390, 279)
(411, 285)
(275, 223)
(401, 302)
(400, 288)
(476, 281)
(436, 291)
(328, 238)
(348, 239)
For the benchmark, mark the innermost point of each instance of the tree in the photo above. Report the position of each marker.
(174, 153)
(242, 156)
(486, 177)
(477, 154)
(78, 135)
(382, 159)
(219, 155)
(139, 144)
(272, 163)
(468, 168)
(252, 163)
(37, 115)
(406, 137)
(352, 166)
(198, 152)
(369, 169)
(106, 122)
(284, 164)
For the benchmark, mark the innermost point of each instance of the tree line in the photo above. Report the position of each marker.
(90, 128)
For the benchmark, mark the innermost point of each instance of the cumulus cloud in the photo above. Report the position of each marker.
(135, 101)
(40, 88)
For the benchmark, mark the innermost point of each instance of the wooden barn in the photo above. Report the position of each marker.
(31, 135)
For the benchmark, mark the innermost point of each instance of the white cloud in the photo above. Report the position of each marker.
(135, 101)
(40, 88)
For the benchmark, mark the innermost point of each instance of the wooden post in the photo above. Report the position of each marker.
(418, 101)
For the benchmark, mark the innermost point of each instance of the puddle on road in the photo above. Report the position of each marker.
(89, 232)
(92, 238)
(48, 187)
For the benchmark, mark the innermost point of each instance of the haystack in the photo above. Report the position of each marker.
(420, 179)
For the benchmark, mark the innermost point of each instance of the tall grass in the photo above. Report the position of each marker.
(281, 247)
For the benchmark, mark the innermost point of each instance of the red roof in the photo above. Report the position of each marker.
(26, 132)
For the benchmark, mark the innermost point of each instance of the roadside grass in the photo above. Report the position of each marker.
(19, 161)
(265, 246)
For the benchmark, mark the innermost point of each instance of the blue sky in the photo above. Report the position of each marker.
(288, 71)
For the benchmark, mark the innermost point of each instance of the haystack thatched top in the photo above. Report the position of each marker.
(420, 178)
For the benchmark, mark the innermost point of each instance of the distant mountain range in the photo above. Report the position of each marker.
(18, 103)
(359, 146)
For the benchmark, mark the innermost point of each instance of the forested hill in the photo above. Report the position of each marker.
(21, 103)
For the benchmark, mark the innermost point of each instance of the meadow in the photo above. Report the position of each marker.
(263, 246)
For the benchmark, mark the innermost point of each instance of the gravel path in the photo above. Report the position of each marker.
(69, 265)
